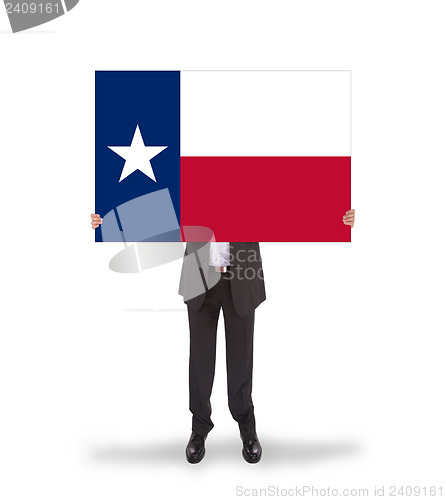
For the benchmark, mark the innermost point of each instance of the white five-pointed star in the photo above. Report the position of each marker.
(137, 156)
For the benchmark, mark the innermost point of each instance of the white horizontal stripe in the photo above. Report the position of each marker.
(265, 113)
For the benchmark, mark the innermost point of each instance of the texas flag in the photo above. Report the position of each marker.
(251, 155)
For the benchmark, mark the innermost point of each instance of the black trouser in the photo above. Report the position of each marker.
(239, 357)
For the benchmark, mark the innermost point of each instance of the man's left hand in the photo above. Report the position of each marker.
(349, 218)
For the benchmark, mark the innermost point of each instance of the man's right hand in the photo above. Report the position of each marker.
(95, 220)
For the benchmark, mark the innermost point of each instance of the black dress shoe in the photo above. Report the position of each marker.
(252, 450)
(195, 448)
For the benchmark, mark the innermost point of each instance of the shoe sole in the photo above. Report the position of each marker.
(251, 460)
(197, 460)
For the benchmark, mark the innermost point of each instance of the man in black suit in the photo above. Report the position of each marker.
(231, 278)
(226, 276)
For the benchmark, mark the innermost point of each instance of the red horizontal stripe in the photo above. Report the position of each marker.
(267, 198)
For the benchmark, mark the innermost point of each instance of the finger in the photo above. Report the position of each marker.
(349, 217)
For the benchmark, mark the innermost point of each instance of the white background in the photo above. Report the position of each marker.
(349, 346)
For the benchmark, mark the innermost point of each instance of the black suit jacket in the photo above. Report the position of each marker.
(246, 275)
